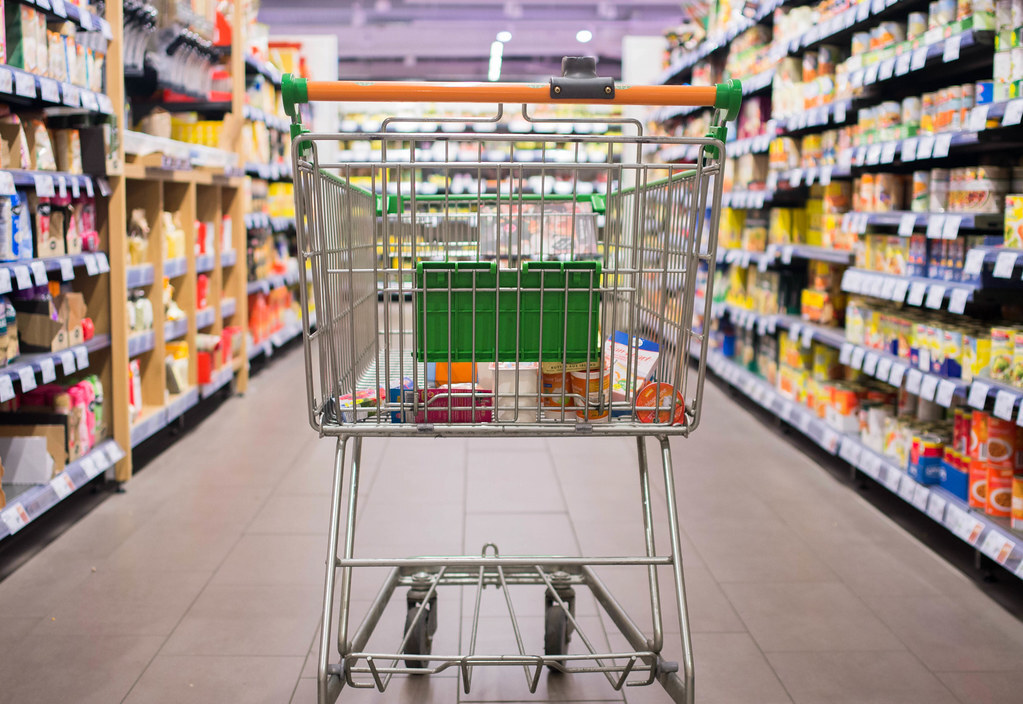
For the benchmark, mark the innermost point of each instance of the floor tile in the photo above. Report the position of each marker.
(808, 616)
(856, 677)
(85, 669)
(984, 687)
(248, 620)
(522, 482)
(292, 514)
(274, 559)
(188, 679)
(401, 690)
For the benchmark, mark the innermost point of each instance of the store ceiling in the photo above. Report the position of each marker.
(451, 40)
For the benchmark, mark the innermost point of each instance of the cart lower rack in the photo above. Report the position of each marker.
(544, 287)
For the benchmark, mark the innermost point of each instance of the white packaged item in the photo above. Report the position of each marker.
(643, 360)
(515, 385)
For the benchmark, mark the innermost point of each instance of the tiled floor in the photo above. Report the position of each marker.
(202, 582)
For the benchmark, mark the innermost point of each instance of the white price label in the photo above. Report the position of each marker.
(27, 377)
(58, 8)
(795, 177)
(978, 395)
(72, 95)
(916, 293)
(901, 288)
(1004, 403)
(48, 370)
(909, 149)
(44, 185)
(935, 295)
(862, 10)
(997, 547)
(903, 63)
(870, 75)
(946, 392)
(6, 388)
(102, 262)
(24, 85)
(76, 191)
(845, 354)
(6, 81)
(975, 262)
(39, 273)
(888, 152)
(950, 227)
(89, 465)
(870, 363)
(857, 358)
(1004, 265)
(942, 143)
(978, 118)
(81, 357)
(62, 187)
(893, 480)
(15, 518)
(87, 20)
(906, 224)
(840, 109)
(886, 69)
(856, 78)
(871, 465)
(826, 172)
(62, 485)
(862, 222)
(921, 495)
(7, 186)
(786, 255)
(935, 226)
(874, 154)
(907, 488)
(91, 266)
(919, 59)
(924, 147)
(67, 360)
(957, 301)
(67, 269)
(928, 387)
(951, 52)
(811, 176)
(850, 452)
(884, 369)
(806, 336)
(48, 90)
(1013, 113)
(23, 277)
(898, 372)
(913, 381)
(936, 508)
(89, 101)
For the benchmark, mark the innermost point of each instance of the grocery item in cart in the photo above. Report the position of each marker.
(545, 230)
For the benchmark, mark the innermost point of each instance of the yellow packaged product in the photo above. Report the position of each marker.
(976, 353)
(1017, 359)
(1014, 221)
(1002, 352)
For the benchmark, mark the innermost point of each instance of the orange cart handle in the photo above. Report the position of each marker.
(295, 90)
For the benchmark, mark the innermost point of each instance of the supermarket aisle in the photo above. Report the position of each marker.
(201, 583)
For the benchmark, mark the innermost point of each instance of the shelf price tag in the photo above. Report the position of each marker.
(978, 395)
(924, 147)
(24, 84)
(39, 273)
(48, 90)
(7, 187)
(1013, 113)
(950, 227)
(89, 101)
(935, 295)
(946, 392)
(936, 508)
(874, 154)
(44, 185)
(888, 290)
(886, 70)
(91, 266)
(892, 479)
(978, 118)
(47, 370)
(907, 488)
(23, 277)
(6, 81)
(997, 547)
(862, 223)
(903, 63)
(906, 224)
(81, 357)
(6, 388)
(58, 8)
(1004, 403)
(901, 288)
(27, 377)
(102, 262)
(76, 191)
(975, 262)
(935, 226)
(942, 143)
(67, 360)
(870, 75)
(89, 465)
(870, 363)
(856, 362)
(845, 353)
(884, 369)
(795, 176)
(916, 293)
(1004, 265)
(957, 302)
(921, 495)
(15, 518)
(898, 372)
(919, 59)
(71, 95)
(909, 149)
(862, 11)
(951, 52)
(913, 381)
(806, 336)
(62, 485)
(826, 172)
(888, 152)
(67, 268)
(928, 387)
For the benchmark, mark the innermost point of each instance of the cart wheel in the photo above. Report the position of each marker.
(420, 640)
(555, 633)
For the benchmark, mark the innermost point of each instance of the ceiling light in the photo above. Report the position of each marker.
(504, 36)
(583, 36)
(496, 52)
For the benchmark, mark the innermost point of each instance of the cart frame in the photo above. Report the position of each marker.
(338, 369)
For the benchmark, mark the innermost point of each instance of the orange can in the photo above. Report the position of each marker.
(1004, 442)
(998, 501)
(978, 459)
(1017, 502)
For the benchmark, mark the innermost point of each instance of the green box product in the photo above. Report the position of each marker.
(554, 304)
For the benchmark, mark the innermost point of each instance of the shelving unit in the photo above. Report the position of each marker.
(979, 286)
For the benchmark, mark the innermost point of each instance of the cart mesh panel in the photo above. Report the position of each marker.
(503, 294)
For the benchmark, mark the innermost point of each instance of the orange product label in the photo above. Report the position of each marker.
(978, 484)
(978, 436)
(1017, 502)
(1004, 442)
(999, 492)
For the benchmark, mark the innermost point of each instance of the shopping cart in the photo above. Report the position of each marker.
(536, 326)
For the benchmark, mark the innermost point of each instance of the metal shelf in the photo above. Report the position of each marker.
(29, 504)
(783, 254)
(173, 268)
(218, 380)
(48, 92)
(228, 257)
(28, 273)
(205, 263)
(271, 282)
(174, 329)
(140, 275)
(205, 317)
(914, 290)
(25, 367)
(141, 342)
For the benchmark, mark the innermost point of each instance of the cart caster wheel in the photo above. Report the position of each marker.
(420, 640)
(555, 633)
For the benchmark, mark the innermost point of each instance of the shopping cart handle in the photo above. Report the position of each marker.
(295, 90)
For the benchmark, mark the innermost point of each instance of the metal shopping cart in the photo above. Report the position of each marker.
(548, 306)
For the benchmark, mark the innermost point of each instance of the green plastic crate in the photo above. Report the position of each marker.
(485, 304)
